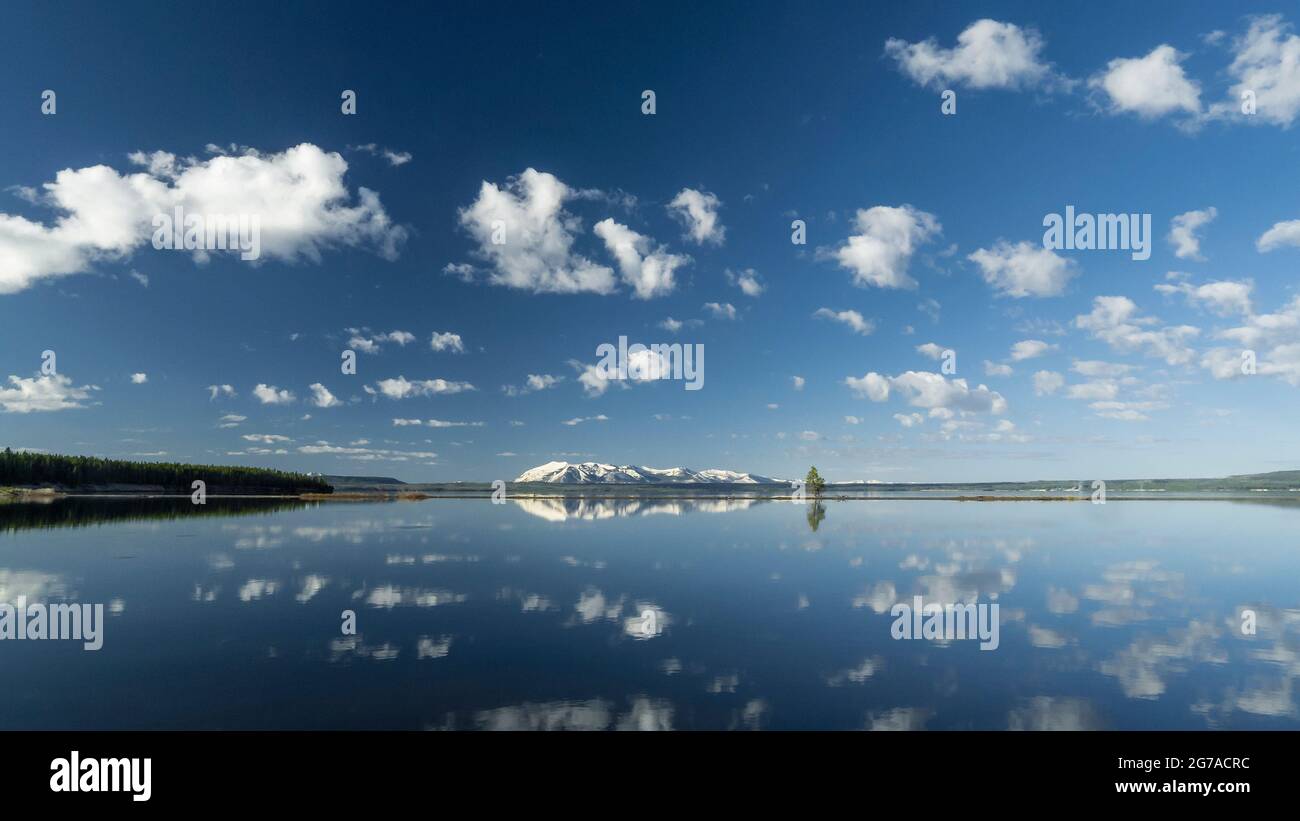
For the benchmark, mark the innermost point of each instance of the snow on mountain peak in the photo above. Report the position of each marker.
(598, 473)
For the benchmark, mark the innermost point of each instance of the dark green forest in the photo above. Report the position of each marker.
(71, 472)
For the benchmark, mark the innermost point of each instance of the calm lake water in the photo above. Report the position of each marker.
(622, 614)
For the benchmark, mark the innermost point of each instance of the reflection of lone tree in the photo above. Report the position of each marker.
(816, 512)
(814, 483)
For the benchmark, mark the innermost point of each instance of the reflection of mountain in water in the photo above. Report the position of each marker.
(576, 507)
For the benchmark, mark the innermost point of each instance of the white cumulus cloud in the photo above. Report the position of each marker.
(298, 197)
(1023, 269)
(1223, 297)
(271, 395)
(747, 281)
(1149, 86)
(988, 54)
(887, 236)
(322, 398)
(1115, 320)
(52, 392)
(363, 340)
(1182, 232)
(698, 212)
(647, 268)
(524, 233)
(849, 317)
(1029, 348)
(447, 341)
(723, 310)
(924, 389)
(1280, 235)
(535, 382)
(402, 388)
(933, 350)
(1266, 63)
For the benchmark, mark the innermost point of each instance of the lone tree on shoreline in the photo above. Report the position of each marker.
(814, 483)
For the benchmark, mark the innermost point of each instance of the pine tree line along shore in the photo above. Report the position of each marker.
(25, 471)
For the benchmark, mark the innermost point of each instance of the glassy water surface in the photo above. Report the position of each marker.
(664, 614)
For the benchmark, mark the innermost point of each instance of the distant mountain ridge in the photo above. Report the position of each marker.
(591, 473)
(595, 475)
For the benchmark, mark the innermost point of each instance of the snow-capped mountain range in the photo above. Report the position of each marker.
(590, 473)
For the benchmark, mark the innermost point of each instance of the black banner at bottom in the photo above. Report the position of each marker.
(139, 771)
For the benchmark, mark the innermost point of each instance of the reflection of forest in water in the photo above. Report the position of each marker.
(36, 513)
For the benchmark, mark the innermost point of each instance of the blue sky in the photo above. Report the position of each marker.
(765, 113)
